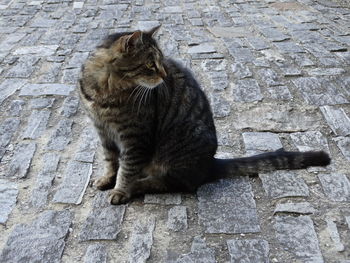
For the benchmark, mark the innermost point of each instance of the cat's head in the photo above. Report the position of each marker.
(137, 57)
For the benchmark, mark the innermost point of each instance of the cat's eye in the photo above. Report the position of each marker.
(151, 65)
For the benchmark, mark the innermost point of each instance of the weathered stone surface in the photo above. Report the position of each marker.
(213, 65)
(318, 91)
(49, 71)
(7, 129)
(273, 34)
(24, 67)
(40, 103)
(257, 43)
(70, 76)
(326, 71)
(280, 93)
(70, 106)
(8, 199)
(163, 199)
(344, 146)
(71, 190)
(288, 47)
(177, 218)
(221, 107)
(240, 54)
(77, 60)
(310, 141)
(247, 90)
(42, 50)
(87, 148)
(218, 79)
(46, 89)
(16, 108)
(249, 250)
(333, 232)
(297, 235)
(36, 124)
(229, 32)
(61, 136)
(283, 184)
(337, 119)
(142, 240)
(40, 241)
(202, 48)
(241, 71)
(270, 77)
(259, 142)
(232, 199)
(21, 160)
(336, 186)
(299, 208)
(8, 87)
(104, 220)
(96, 253)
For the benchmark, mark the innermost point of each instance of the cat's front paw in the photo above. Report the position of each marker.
(105, 182)
(117, 197)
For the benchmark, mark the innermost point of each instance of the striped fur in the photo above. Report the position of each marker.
(156, 125)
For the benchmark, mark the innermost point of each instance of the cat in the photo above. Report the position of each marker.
(156, 125)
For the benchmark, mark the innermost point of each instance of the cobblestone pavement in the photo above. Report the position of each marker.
(277, 75)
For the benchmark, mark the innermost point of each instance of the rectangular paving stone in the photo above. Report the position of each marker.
(142, 240)
(48, 72)
(42, 50)
(232, 199)
(61, 136)
(87, 147)
(344, 146)
(248, 250)
(288, 47)
(298, 236)
(310, 141)
(318, 91)
(246, 90)
(177, 218)
(336, 186)
(16, 108)
(298, 208)
(334, 234)
(257, 43)
(202, 48)
(240, 54)
(72, 189)
(337, 120)
(96, 253)
(218, 80)
(221, 107)
(281, 183)
(36, 124)
(7, 129)
(241, 71)
(104, 220)
(326, 71)
(70, 106)
(273, 34)
(46, 89)
(24, 67)
(9, 87)
(43, 240)
(8, 199)
(77, 60)
(40, 103)
(21, 160)
(280, 92)
(270, 77)
(163, 199)
(260, 142)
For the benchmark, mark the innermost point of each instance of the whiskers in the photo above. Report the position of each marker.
(142, 95)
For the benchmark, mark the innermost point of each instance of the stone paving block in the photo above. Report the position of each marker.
(142, 240)
(61, 137)
(163, 199)
(88, 145)
(202, 48)
(218, 79)
(177, 218)
(318, 91)
(232, 199)
(214, 65)
(43, 240)
(246, 90)
(248, 251)
(16, 108)
(288, 47)
(298, 208)
(24, 67)
(8, 199)
(310, 141)
(40, 103)
(104, 220)
(77, 60)
(273, 34)
(70, 106)
(241, 71)
(336, 186)
(21, 160)
(7, 128)
(42, 50)
(36, 124)
(337, 120)
(280, 184)
(334, 234)
(70, 76)
(49, 72)
(240, 54)
(259, 142)
(258, 43)
(270, 77)
(9, 87)
(297, 235)
(46, 89)
(221, 107)
(280, 93)
(229, 32)
(96, 253)
(71, 190)
(344, 146)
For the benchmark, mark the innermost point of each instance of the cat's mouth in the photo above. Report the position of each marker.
(151, 84)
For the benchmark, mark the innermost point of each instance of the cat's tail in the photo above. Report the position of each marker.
(267, 162)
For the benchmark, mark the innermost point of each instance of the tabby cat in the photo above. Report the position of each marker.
(155, 123)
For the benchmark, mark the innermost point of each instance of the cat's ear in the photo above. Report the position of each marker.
(153, 31)
(129, 42)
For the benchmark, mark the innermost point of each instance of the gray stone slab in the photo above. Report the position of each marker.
(96, 253)
(337, 120)
(71, 76)
(297, 235)
(298, 208)
(334, 234)
(200, 252)
(336, 186)
(214, 65)
(24, 67)
(273, 34)
(319, 91)
(202, 48)
(241, 71)
(163, 199)
(70, 106)
(46, 89)
(280, 93)
(218, 80)
(7, 128)
(16, 108)
(77, 60)
(41, 241)
(71, 190)
(310, 141)
(257, 43)
(326, 71)
(221, 107)
(40, 103)
(177, 218)
(344, 146)
(48, 72)
(288, 47)
(104, 220)
(61, 136)
(229, 32)
(228, 207)
(259, 142)
(270, 77)
(9, 87)
(21, 160)
(248, 250)
(36, 124)
(87, 147)
(247, 90)
(42, 50)
(280, 184)
(8, 199)
(142, 240)
(240, 54)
